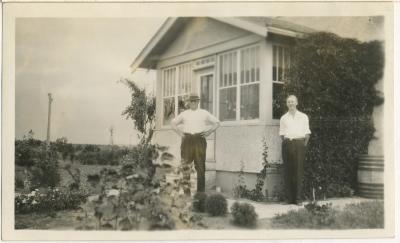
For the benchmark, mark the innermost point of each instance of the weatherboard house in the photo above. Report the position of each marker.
(238, 66)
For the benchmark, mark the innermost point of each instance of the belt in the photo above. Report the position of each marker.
(192, 134)
(294, 139)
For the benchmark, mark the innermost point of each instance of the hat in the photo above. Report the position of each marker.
(194, 96)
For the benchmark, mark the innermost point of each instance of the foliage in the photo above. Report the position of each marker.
(159, 215)
(352, 216)
(255, 194)
(19, 183)
(216, 205)
(64, 148)
(141, 110)
(49, 200)
(334, 79)
(27, 150)
(133, 197)
(44, 172)
(75, 175)
(199, 201)
(244, 214)
(92, 154)
(240, 190)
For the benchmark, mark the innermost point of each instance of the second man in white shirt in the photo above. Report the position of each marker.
(295, 132)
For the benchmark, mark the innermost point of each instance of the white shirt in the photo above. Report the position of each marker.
(195, 121)
(294, 126)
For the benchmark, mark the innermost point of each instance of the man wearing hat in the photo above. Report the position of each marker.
(194, 125)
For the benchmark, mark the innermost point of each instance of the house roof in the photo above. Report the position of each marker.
(262, 26)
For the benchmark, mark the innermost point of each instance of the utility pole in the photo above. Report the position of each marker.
(111, 136)
(48, 120)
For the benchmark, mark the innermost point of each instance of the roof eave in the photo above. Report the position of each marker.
(289, 33)
(254, 28)
(152, 43)
(251, 27)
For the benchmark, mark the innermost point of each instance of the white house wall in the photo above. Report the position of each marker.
(200, 33)
(238, 141)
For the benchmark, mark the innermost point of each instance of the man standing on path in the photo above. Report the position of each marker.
(197, 124)
(295, 133)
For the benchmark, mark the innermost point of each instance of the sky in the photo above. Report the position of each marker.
(79, 61)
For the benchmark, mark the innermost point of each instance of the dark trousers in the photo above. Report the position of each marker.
(193, 148)
(293, 153)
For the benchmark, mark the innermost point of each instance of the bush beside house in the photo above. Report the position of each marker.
(334, 79)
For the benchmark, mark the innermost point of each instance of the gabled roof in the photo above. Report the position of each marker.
(150, 54)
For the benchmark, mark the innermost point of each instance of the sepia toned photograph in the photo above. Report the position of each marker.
(204, 123)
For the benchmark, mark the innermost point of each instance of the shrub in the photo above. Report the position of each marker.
(51, 200)
(19, 183)
(244, 214)
(45, 172)
(199, 202)
(216, 205)
(27, 150)
(334, 79)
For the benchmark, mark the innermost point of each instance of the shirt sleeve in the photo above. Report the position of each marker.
(306, 125)
(178, 119)
(212, 118)
(282, 128)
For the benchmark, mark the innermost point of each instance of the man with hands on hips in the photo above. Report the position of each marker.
(194, 125)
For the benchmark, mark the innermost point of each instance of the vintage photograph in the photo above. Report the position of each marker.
(200, 123)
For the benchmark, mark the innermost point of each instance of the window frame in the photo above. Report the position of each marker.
(176, 90)
(238, 85)
(198, 80)
(283, 80)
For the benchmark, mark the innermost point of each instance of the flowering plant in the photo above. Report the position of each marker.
(52, 199)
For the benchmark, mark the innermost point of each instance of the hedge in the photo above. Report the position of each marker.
(334, 79)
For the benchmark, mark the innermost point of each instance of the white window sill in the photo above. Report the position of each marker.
(256, 122)
(241, 122)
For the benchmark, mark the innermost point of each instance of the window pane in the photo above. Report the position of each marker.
(274, 61)
(234, 63)
(228, 70)
(286, 63)
(206, 85)
(227, 104)
(169, 110)
(280, 61)
(221, 71)
(182, 104)
(252, 65)
(249, 65)
(185, 78)
(278, 102)
(249, 102)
